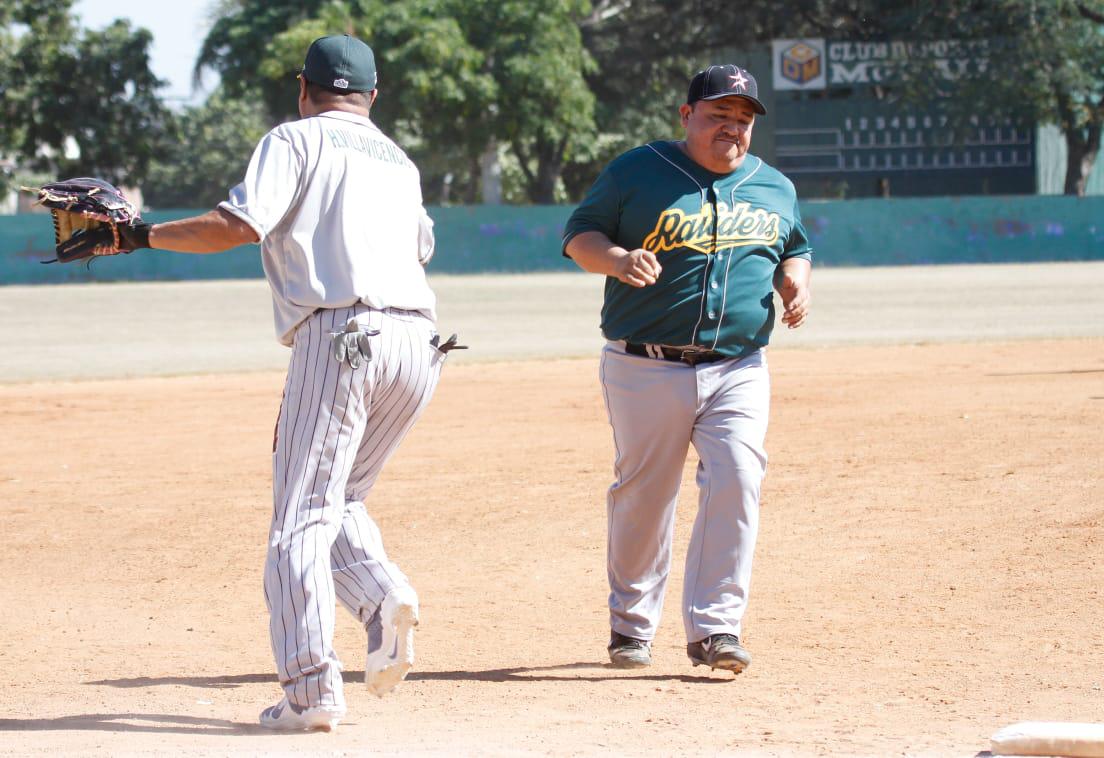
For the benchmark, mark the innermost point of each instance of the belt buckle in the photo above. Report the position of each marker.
(692, 356)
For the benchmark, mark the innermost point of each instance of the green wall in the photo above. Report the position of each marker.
(912, 231)
(872, 232)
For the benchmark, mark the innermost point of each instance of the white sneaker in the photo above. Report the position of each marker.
(287, 717)
(390, 662)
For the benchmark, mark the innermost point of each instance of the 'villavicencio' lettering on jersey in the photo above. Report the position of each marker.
(344, 139)
(740, 225)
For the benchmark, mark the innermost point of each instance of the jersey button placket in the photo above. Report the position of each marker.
(711, 294)
(712, 304)
(715, 295)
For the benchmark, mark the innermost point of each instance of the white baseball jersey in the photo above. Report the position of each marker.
(338, 208)
(357, 234)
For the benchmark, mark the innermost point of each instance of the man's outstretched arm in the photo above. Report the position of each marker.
(213, 232)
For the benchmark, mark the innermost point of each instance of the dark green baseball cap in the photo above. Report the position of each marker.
(340, 63)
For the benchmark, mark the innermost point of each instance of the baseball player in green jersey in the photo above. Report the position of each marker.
(692, 237)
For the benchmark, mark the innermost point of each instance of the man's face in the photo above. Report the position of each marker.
(718, 132)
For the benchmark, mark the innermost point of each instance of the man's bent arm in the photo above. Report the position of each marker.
(799, 270)
(596, 253)
(791, 279)
(212, 232)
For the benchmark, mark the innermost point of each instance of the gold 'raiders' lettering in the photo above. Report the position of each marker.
(740, 225)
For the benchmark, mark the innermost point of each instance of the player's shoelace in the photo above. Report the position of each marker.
(622, 642)
(724, 640)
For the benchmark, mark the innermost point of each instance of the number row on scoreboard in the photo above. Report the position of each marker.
(796, 161)
(926, 121)
(921, 138)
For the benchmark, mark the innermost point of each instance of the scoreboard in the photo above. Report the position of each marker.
(840, 133)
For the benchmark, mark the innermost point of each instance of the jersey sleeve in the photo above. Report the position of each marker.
(797, 244)
(600, 211)
(427, 242)
(271, 182)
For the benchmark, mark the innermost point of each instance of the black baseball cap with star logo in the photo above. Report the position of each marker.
(728, 80)
(340, 63)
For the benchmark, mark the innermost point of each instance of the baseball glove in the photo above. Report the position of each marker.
(91, 218)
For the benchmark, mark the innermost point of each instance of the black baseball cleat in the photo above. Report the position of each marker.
(629, 652)
(719, 651)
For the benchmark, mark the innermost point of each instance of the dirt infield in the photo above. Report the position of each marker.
(929, 566)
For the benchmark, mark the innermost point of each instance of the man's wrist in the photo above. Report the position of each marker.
(619, 258)
(134, 236)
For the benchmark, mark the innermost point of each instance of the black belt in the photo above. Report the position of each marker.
(690, 355)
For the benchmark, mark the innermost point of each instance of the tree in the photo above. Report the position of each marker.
(645, 53)
(435, 98)
(236, 44)
(545, 108)
(555, 88)
(1047, 59)
(1034, 61)
(205, 152)
(456, 76)
(1045, 62)
(65, 87)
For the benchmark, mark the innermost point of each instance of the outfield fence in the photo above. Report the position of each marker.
(518, 239)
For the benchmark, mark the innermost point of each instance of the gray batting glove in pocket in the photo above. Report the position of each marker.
(352, 345)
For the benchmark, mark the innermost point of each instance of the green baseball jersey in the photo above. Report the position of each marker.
(718, 237)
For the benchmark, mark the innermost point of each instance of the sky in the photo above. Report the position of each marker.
(178, 29)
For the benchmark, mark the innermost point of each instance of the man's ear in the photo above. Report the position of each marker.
(684, 112)
(303, 101)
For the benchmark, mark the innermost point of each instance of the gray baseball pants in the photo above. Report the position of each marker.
(658, 409)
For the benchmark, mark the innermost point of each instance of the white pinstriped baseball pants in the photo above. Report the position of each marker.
(657, 410)
(337, 428)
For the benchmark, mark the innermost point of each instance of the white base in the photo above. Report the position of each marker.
(1050, 738)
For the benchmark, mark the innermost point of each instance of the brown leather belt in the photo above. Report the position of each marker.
(692, 356)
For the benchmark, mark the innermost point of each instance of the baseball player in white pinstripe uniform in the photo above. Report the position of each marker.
(337, 208)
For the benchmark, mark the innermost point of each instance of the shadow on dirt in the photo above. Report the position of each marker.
(155, 723)
(516, 674)
(213, 682)
(545, 674)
